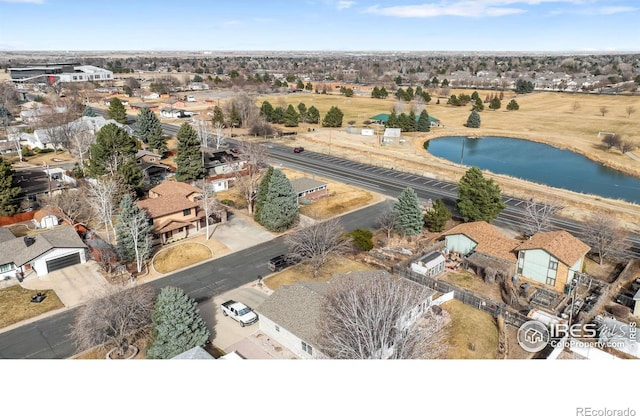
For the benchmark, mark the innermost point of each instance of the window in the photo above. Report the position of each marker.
(519, 269)
(277, 328)
(186, 212)
(521, 255)
(307, 348)
(553, 265)
(551, 281)
(6, 267)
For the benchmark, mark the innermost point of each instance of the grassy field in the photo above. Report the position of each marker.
(180, 256)
(472, 334)
(302, 272)
(16, 305)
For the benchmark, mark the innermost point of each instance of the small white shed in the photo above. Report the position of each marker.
(431, 264)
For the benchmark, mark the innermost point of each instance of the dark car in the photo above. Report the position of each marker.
(278, 263)
(298, 149)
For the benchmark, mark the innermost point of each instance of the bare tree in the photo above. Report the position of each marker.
(538, 215)
(630, 110)
(58, 126)
(70, 204)
(605, 236)
(219, 136)
(387, 221)
(374, 317)
(418, 104)
(209, 204)
(604, 110)
(13, 135)
(202, 129)
(399, 106)
(79, 144)
(102, 198)
(626, 146)
(253, 158)
(244, 106)
(611, 140)
(117, 317)
(318, 243)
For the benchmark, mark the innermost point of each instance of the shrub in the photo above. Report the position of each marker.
(228, 202)
(362, 239)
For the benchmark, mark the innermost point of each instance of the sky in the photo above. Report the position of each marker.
(325, 25)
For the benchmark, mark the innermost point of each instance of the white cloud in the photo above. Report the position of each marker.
(343, 4)
(595, 11)
(488, 8)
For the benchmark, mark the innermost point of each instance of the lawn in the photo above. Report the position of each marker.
(180, 256)
(16, 305)
(302, 272)
(472, 334)
(469, 281)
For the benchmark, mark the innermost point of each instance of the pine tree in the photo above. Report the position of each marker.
(424, 124)
(407, 212)
(392, 121)
(436, 218)
(302, 109)
(218, 116)
(277, 116)
(266, 110)
(189, 164)
(112, 149)
(117, 111)
(262, 193)
(176, 325)
(495, 103)
(513, 105)
(403, 122)
(475, 96)
(478, 198)
(333, 118)
(234, 116)
(313, 115)
(88, 112)
(412, 124)
(149, 130)
(133, 233)
(474, 120)
(280, 210)
(8, 192)
(291, 117)
(478, 105)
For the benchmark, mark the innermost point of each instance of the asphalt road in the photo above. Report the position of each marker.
(49, 337)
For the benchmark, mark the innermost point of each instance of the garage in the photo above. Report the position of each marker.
(62, 262)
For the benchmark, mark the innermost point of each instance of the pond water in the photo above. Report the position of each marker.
(537, 162)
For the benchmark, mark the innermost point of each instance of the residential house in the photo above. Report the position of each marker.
(40, 253)
(221, 166)
(198, 86)
(430, 265)
(174, 103)
(168, 112)
(289, 316)
(174, 209)
(195, 353)
(309, 188)
(140, 106)
(552, 258)
(549, 258)
(153, 170)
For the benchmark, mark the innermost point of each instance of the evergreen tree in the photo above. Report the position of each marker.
(313, 115)
(423, 122)
(234, 116)
(478, 198)
(112, 149)
(478, 105)
(116, 111)
(412, 122)
(8, 192)
(475, 96)
(375, 93)
(291, 117)
(176, 325)
(408, 216)
(453, 100)
(302, 109)
(218, 116)
(266, 111)
(309, 86)
(133, 232)
(513, 105)
(495, 103)
(474, 120)
(262, 193)
(149, 130)
(333, 118)
(436, 218)
(392, 121)
(189, 164)
(279, 211)
(300, 85)
(88, 112)
(277, 116)
(403, 121)
(383, 93)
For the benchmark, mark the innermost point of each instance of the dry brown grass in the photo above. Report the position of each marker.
(469, 281)
(16, 305)
(302, 272)
(180, 256)
(472, 334)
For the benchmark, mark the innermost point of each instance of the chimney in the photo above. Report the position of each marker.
(28, 240)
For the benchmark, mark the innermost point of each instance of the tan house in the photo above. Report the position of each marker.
(174, 209)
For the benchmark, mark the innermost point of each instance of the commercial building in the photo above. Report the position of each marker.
(53, 73)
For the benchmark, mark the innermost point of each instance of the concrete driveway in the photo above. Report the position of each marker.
(74, 285)
(238, 234)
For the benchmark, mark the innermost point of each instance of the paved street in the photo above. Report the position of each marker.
(48, 337)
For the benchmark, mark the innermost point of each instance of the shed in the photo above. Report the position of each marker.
(45, 218)
(431, 264)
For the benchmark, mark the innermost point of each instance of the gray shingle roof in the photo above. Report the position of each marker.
(306, 184)
(6, 235)
(195, 353)
(16, 250)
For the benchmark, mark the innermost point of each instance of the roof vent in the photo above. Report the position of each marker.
(28, 240)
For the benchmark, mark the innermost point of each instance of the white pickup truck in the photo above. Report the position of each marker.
(239, 311)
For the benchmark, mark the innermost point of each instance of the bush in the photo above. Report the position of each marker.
(228, 203)
(362, 239)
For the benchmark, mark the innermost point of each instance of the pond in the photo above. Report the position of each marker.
(537, 162)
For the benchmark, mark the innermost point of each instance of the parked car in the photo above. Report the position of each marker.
(239, 311)
(298, 149)
(278, 263)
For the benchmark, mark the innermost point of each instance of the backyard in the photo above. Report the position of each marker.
(472, 334)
